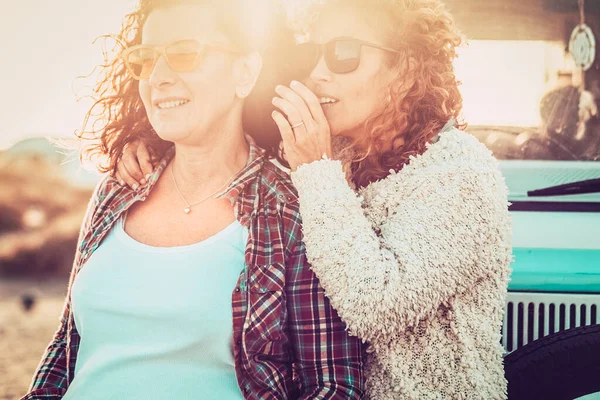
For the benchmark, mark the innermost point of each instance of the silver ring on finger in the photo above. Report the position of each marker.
(297, 125)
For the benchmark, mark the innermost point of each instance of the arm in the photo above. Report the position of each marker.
(50, 380)
(450, 229)
(329, 360)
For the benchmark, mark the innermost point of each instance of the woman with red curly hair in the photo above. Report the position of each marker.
(405, 216)
(195, 285)
(407, 228)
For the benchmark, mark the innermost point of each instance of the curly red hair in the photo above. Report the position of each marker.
(118, 117)
(423, 97)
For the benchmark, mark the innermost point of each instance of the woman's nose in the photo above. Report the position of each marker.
(162, 73)
(320, 72)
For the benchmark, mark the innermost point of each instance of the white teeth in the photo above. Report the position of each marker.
(171, 104)
(326, 100)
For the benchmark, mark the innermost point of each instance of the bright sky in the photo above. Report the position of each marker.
(45, 46)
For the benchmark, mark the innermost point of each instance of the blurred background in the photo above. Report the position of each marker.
(520, 85)
(43, 190)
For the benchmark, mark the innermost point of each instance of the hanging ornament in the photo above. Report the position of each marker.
(582, 44)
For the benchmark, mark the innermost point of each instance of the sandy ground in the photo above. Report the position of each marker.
(25, 335)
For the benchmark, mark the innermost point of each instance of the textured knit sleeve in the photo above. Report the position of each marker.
(446, 228)
(50, 380)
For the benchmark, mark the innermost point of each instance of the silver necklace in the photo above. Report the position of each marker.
(189, 206)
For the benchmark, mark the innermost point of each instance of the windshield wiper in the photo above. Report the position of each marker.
(579, 187)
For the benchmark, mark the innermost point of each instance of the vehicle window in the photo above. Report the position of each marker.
(523, 94)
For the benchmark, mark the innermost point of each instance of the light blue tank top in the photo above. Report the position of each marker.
(156, 322)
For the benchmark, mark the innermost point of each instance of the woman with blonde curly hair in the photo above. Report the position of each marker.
(196, 285)
(405, 216)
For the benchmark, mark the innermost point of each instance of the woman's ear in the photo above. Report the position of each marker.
(247, 69)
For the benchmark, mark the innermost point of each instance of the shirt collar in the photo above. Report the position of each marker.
(256, 157)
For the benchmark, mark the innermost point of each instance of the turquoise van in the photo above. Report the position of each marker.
(531, 93)
(550, 332)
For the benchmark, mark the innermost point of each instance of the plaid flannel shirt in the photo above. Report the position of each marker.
(288, 340)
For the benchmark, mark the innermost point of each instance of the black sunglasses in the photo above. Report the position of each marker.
(342, 55)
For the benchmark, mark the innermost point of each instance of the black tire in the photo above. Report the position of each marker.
(562, 366)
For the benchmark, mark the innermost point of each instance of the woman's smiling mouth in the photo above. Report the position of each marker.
(327, 101)
(170, 103)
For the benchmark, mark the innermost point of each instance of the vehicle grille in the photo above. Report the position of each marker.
(530, 316)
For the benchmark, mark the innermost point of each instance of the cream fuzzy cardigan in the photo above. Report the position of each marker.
(417, 264)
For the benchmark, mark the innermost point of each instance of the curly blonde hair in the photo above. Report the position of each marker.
(118, 117)
(422, 98)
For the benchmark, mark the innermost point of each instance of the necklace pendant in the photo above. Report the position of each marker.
(187, 210)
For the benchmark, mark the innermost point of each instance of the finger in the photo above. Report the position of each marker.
(131, 164)
(282, 151)
(301, 128)
(288, 109)
(297, 101)
(311, 100)
(316, 110)
(287, 134)
(119, 178)
(288, 142)
(113, 171)
(124, 177)
(145, 160)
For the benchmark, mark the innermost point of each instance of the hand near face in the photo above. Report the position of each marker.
(135, 164)
(302, 123)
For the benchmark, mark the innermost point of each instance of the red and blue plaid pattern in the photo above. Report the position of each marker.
(289, 343)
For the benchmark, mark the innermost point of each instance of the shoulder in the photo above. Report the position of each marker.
(108, 191)
(277, 185)
(457, 165)
(456, 154)
(107, 195)
(455, 149)
(105, 188)
(464, 162)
